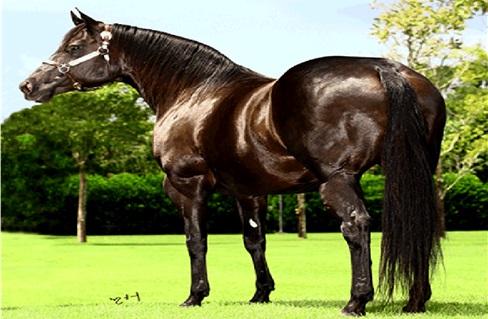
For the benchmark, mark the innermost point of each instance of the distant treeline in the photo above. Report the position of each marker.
(136, 204)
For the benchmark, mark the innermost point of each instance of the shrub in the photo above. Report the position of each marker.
(133, 204)
(466, 204)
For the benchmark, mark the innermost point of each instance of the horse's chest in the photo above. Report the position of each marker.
(176, 141)
(171, 140)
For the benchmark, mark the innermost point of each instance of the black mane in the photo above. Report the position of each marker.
(178, 62)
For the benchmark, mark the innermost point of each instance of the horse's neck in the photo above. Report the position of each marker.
(165, 68)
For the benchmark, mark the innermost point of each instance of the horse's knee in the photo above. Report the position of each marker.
(342, 197)
(354, 227)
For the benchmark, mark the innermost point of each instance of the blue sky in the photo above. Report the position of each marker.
(268, 36)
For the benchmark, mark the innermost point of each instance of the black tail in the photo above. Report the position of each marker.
(410, 245)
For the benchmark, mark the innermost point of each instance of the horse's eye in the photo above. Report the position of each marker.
(74, 48)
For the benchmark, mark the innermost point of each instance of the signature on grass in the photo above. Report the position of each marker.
(118, 300)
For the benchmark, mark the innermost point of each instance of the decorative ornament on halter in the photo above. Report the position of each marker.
(103, 50)
(106, 37)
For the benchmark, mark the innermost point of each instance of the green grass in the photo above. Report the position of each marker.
(54, 277)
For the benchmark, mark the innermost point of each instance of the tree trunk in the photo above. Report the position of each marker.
(281, 214)
(440, 203)
(82, 197)
(302, 221)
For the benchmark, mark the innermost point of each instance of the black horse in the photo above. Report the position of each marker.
(224, 128)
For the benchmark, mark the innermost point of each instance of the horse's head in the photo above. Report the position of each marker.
(81, 62)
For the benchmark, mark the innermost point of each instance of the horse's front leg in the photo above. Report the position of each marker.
(192, 206)
(253, 211)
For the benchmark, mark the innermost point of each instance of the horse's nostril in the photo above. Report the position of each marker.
(26, 87)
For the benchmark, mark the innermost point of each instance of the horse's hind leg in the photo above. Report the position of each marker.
(252, 211)
(342, 195)
(420, 293)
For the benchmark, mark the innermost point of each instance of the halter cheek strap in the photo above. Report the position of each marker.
(64, 68)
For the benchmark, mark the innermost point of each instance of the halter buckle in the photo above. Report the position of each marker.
(64, 68)
(78, 86)
(103, 50)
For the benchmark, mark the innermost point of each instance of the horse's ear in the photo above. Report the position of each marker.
(91, 24)
(76, 20)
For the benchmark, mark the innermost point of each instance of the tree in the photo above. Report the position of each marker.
(466, 147)
(101, 130)
(32, 161)
(427, 36)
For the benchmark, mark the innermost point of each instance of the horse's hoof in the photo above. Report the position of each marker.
(345, 312)
(190, 304)
(192, 301)
(261, 296)
(413, 309)
(354, 310)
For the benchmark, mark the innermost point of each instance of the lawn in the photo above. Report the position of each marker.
(54, 277)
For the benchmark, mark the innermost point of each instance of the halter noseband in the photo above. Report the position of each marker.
(64, 68)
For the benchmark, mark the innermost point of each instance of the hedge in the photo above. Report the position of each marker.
(132, 204)
(466, 204)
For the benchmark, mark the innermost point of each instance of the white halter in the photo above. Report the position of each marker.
(103, 50)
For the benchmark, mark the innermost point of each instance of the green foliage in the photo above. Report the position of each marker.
(290, 205)
(465, 147)
(373, 187)
(427, 35)
(467, 203)
(136, 204)
(101, 132)
(424, 33)
(32, 163)
(106, 128)
(124, 204)
(223, 215)
(318, 219)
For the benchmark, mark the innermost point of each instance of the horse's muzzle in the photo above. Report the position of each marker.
(33, 93)
(25, 87)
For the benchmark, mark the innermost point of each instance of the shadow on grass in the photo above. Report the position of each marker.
(445, 309)
(49, 306)
(458, 308)
(442, 309)
(182, 243)
(339, 304)
(128, 243)
(136, 244)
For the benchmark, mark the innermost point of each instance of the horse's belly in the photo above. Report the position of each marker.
(260, 177)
